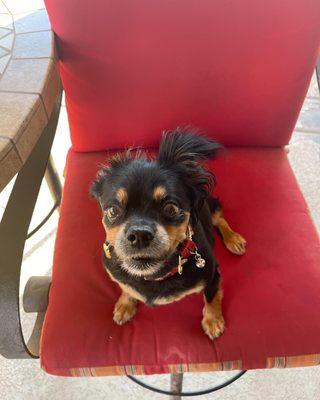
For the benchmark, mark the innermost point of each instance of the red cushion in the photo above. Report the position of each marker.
(271, 294)
(237, 69)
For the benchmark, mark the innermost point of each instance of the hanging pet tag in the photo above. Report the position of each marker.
(200, 262)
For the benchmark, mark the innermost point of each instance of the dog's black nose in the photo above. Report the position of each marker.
(140, 236)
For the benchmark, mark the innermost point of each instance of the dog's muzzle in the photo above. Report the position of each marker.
(142, 246)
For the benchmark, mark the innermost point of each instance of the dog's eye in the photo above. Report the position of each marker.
(113, 213)
(171, 210)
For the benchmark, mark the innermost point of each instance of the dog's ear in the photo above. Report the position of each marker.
(183, 150)
(186, 145)
(95, 189)
(114, 163)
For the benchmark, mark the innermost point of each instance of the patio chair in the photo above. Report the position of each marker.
(240, 72)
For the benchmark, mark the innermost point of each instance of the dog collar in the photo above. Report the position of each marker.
(187, 248)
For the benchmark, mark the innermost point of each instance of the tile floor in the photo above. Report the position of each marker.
(24, 380)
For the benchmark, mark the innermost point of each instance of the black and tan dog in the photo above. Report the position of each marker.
(159, 216)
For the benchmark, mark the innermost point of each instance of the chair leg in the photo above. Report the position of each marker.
(53, 181)
(176, 385)
(34, 340)
(54, 184)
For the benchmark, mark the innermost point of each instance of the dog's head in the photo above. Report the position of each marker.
(147, 203)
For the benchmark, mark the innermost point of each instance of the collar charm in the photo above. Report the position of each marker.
(200, 262)
(189, 247)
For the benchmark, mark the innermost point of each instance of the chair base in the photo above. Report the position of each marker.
(176, 386)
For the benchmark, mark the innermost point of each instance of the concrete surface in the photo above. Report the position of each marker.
(24, 380)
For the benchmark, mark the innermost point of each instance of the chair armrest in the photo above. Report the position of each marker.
(13, 233)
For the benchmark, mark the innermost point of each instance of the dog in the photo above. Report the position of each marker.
(159, 215)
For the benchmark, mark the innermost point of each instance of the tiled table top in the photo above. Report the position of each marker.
(29, 81)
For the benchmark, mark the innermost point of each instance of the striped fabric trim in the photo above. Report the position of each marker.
(271, 362)
(309, 360)
(140, 370)
(218, 366)
(110, 370)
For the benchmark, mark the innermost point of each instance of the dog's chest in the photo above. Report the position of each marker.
(158, 297)
(156, 293)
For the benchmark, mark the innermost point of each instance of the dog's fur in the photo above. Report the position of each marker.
(156, 199)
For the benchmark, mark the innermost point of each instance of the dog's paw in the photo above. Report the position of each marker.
(124, 311)
(213, 327)
(235, 243)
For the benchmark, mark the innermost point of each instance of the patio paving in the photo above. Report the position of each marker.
(24, 380)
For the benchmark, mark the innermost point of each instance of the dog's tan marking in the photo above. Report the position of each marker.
(124, 309)
(212, 321)
(111, 233)
(159, 193)
(233, 241)
(106, 250)
(122, 196)
(176, 297)
(177, 233)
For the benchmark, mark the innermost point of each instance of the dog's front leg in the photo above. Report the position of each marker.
(213, 321)
(124, 309)
(233, 241)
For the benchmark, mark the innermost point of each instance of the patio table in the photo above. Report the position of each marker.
(29, 81)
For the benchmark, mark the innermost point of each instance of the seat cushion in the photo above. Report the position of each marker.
(130, 69)
(271, 294)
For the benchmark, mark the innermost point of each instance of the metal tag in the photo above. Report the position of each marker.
(200, 262)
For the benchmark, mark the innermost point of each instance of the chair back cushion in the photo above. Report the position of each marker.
(239, 70)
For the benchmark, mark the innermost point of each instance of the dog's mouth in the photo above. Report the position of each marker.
(142, 265)
(144, 262)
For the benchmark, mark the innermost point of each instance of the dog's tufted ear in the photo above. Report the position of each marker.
(95, 189)
(114, 163)
(186, 145)
(183, 149)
